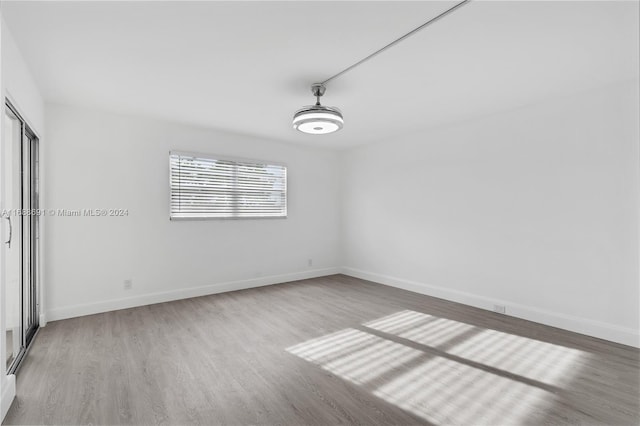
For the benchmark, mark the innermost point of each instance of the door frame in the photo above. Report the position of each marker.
(30, 228)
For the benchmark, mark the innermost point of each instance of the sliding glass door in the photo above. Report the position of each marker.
(20, 165)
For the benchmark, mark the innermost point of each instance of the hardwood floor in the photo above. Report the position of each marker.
(332, 350)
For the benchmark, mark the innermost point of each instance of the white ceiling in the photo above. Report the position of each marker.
(247, 66)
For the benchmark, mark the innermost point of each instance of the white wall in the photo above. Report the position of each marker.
(16, 83)
(100, 160)
(19, 85)
(536, 209)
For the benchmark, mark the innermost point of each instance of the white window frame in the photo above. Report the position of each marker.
(232, 159)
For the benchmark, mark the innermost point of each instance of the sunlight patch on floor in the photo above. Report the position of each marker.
(465, 374)
(355, 355)
(421, 328)
(443, 391)
(533, 359)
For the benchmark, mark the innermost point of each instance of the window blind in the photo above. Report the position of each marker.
(204, 186)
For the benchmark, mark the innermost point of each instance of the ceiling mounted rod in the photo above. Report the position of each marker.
(393, 43)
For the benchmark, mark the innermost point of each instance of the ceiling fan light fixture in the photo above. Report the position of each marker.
(318, 119)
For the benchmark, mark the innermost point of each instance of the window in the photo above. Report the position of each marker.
(204, 186)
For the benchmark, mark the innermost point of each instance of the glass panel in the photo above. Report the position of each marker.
(26, 233)
(13, 246)
(35, 233)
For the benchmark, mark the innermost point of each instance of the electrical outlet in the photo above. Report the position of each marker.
(310, 262)
(128, 284)
(501, 309)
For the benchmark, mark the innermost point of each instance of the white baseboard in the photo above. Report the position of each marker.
(167, 296)
(8, 393)
(43, 320)
(602, 330)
